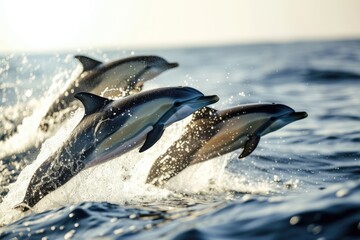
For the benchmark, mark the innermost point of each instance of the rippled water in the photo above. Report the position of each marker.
(302, 182)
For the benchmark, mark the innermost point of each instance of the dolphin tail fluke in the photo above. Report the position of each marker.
(250, 146)
(152, 137)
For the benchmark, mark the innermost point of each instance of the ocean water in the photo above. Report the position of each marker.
(302, 181)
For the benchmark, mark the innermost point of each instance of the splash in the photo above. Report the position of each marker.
(26, 135)
(122, 180)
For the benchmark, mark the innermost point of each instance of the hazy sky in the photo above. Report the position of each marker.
(43, 25)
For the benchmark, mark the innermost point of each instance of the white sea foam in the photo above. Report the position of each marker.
(17, 189)
(119, 180)
(122, 180)
(28, 133)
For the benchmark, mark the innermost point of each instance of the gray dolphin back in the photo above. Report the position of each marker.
(112, 80)
(214, 133)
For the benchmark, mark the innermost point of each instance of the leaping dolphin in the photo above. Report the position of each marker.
(111, 128)
(212, 133)
(114, 79)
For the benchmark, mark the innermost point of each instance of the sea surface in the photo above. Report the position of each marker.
(302, 181)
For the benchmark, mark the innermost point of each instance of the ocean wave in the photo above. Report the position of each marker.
(300, 183)
(330, 214)
(312, 75)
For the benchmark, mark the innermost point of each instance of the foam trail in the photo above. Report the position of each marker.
(122, 180)
(114, 181)
(212, 177)
(17, 190)
(27, 134)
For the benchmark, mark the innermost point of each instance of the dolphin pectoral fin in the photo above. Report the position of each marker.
(91, 102)
(152, 137)
(250, 146)
(87, 63)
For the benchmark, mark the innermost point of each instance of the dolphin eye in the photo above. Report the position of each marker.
(177, 104)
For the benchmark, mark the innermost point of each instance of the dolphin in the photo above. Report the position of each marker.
(113, 79)
(213, 133)
(111, 128)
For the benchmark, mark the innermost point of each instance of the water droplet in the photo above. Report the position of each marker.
(315, 229)
(242, 94)
(28, 93)
(342, 193)
(294, 220)
(276, 178)
(69, 234)
(40, 231)
(148, 226)
(118, 231)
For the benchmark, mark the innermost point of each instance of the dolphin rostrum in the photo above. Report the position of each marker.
(213, 133)
(114, 79)
(111, 128)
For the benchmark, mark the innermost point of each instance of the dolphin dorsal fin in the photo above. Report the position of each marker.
(92, 102)
(205, 112)
(87, 63)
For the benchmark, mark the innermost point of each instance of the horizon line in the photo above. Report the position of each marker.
(127, 47)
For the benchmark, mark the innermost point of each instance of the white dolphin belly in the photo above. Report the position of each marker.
(97, 158)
